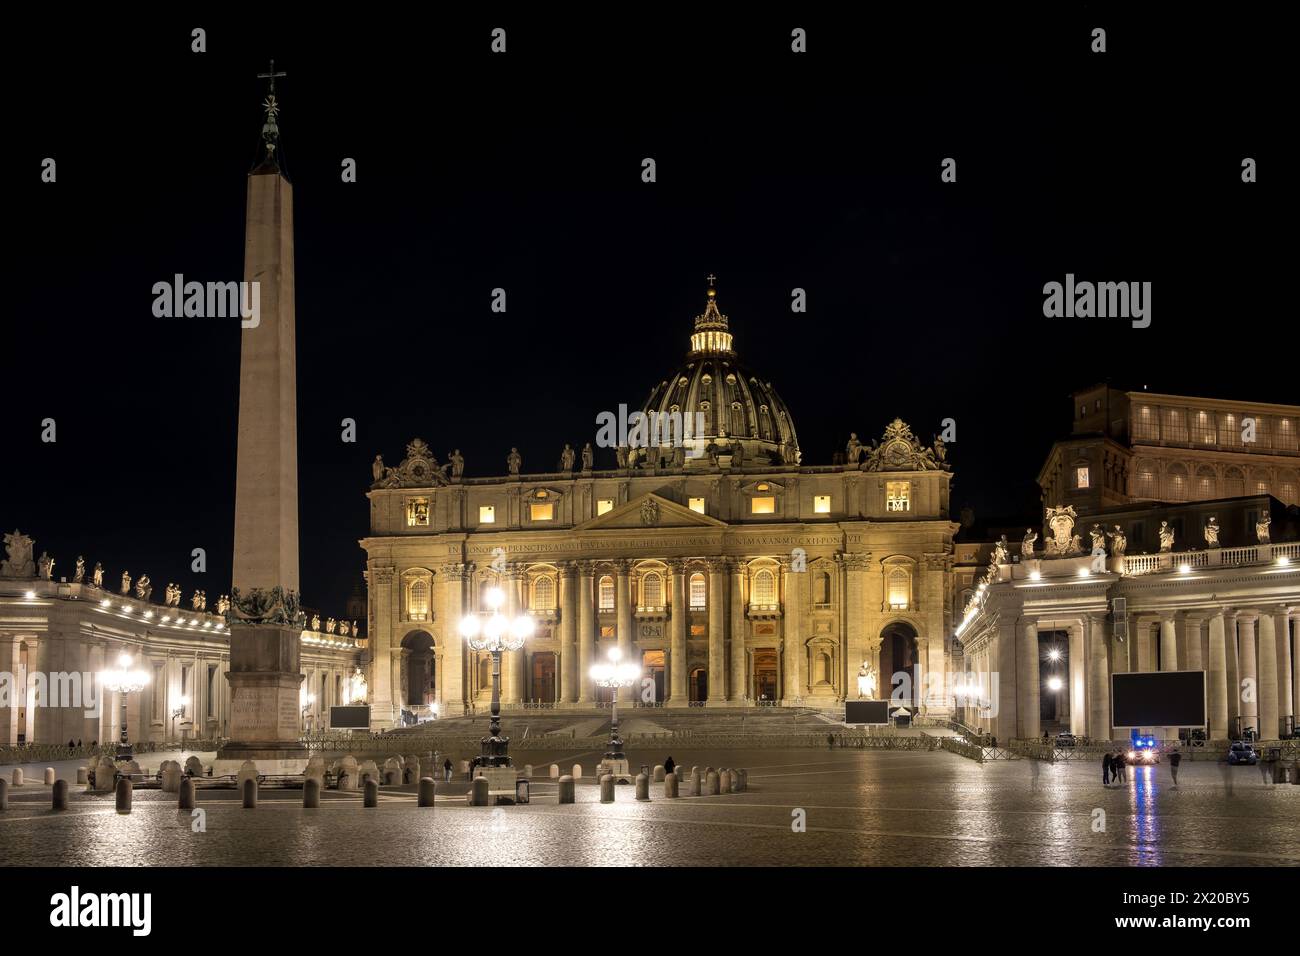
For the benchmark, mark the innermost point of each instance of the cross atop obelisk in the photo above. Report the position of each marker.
(271, 128)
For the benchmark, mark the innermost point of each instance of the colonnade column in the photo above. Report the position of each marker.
(1007, 698)
(568, 632)
(1168, 657)
(586, 631)
(791, 639)
(1099, 679)
(677, 695)
(1193, 628)
(623, 615)
(717, 631)
(1268, 689)
(453, 601)
(1248, 678)
(739, 660)
(1078, 677)
(1217, 692)
(1285, 663)
(1232, 672)
(1027, 680)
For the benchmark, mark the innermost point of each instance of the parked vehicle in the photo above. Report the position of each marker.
(1066, 740)
(1242, 752)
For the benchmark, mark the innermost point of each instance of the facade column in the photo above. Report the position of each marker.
(1192, 628)
(1294, 624)
(1248, 678)
(586, 632)
(677, 666)
(739, 688)
(623, 615)
(1217, 691)
(791, 634)
(1268, 689)
(1231, 672)
(1285, 677)
(1145, 650)
(517, 584)
(384, 605)
(1099, 679)
(453, 603)
(1169, 657)
(511, 688)
(1027, 680)
(568, 632)
(717, 631)
(1078, 676)
(1007, 698)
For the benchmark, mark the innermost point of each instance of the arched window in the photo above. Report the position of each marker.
(652, 590)
(1144, 483)
(822, 588)
(543, 593)
(417, 600)
(699, 590)
(764, 588)
(1234, 483)
(899, 589)
(1259, 483)
(1286, 487)
(1176, 483)
(1205, 482)
(607, 593)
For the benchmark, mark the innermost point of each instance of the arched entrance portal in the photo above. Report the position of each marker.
(418, 684)
(900, 664)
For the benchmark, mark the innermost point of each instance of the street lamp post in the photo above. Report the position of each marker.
(307, 706)
(497, 633)
(124, 681)
(179, 711)
(615, 676)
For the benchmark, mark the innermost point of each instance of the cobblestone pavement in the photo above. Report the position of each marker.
(860, 808)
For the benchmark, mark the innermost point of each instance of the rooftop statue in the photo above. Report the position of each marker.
(1212, 533)
(80, 574)
(19, 563)
(1027, 545)
(1118, 541)
(513, 461)
(1261, 528)
(97, 576)
(1166, 537)
(46, 566)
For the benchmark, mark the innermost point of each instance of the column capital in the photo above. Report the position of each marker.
(568, 569)
(855, 562)
(716, 565)
(1247, 615)
(676, 566)
(586, 568)
(456, 571)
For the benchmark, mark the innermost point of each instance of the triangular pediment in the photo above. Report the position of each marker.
(650, 511)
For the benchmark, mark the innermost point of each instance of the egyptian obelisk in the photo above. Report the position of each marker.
(264, 618)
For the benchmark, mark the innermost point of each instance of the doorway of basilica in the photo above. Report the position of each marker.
(543, 689)
(899, 659)
(418, 687)
(766, 668)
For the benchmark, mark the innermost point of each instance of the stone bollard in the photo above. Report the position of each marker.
(247, 771)
(566, 789)
(171, 779)
(724, 781)
(186, 799)
(577, 771)
(642, 787)
(555, 771)
(18, 776)
(607, 788)
(83, 774)
(371, 798)
(249, 790)
(4, 794)
(478, 792)
(744, 780)
(311, 794)
(711, 784)
(194, 766)
(60, 794)
(424, 798)
(49, 776)
(528, 770)
(670, 785)
(105, 772)
(697, 783)
(659, 773)
(123, 795)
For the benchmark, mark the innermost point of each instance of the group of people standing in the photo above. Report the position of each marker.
(1114, 767)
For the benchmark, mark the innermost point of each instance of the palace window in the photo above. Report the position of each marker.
(822, 504)
(487, 514)
(652, 590)
(607, 593)
(417, 600)
(543, 593)
(1146, 424)
(1285, 434)
(1259, 484)
(1234, 483)
(764, 588)
(900, 589)
(1176, 483)
(1202, 428)
(604, 506)
(1082, 476)
(699, 590)
(898, 496)
(697, 504)
(1205, 483)
(1175, 425)
(762, 505)
(1229, 430)
(1286, 487)
(822, 588)
(417, 513)
(541, 510)
(1144, 485)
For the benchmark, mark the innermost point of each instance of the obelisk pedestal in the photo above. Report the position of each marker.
(265, 712)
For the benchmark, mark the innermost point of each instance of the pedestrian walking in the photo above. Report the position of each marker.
(1175, 758)
(670, 765)
(446, 770)
(830, 741)
(1107, 764)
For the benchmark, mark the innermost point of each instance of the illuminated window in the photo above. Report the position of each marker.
(1286, 487)
(1144, 485)
(897, 496)
(765, 505)
(822, 504)
(1174, 427)
(604, 506)
(764, 588)
(1081, 476)
(607, 593)
(1176, 483)
(900, 589)
(652, 590)
(417, 600)
(1229, 430)
(543, 594)
(539, 511)
(1234, 483)
(487, 514)
(697, 630)
(1285, 434)
(1146, 424)
(699, 589)
(1202, 428)
(822, 588)
(697, 504)
(1205, 481)
(417, 512)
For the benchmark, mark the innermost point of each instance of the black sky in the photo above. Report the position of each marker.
(523, 171)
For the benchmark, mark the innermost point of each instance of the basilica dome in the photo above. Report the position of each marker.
(722, 403)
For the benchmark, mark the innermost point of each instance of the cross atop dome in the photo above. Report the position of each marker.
(711, 333)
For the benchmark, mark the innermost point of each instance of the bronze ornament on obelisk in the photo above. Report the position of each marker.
(264, 619)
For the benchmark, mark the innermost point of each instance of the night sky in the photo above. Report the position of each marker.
(522, 171)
